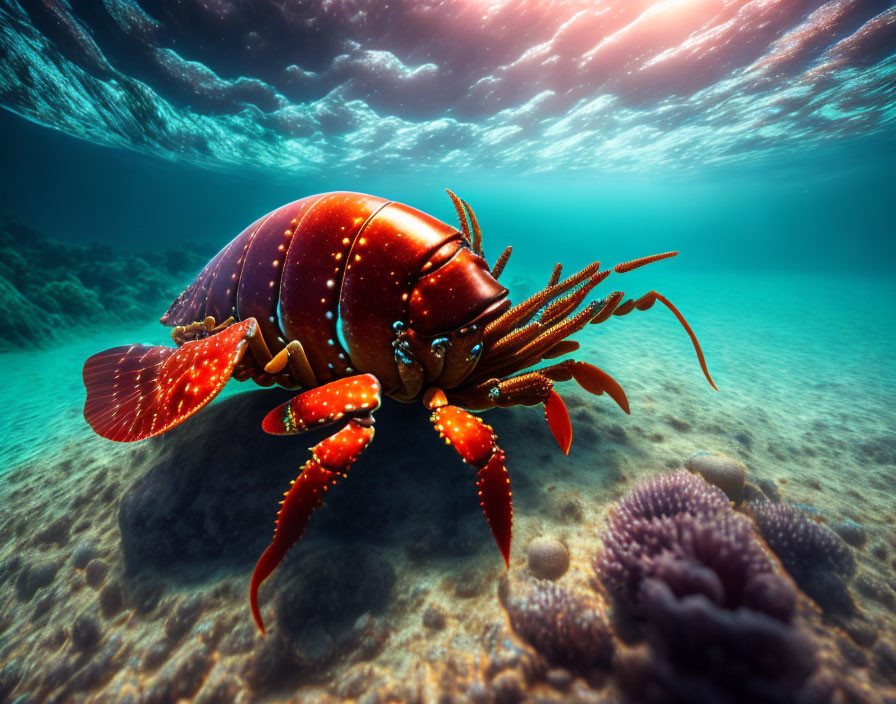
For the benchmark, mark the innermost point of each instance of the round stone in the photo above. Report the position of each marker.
(434, 618)
(721, 471)
(852, 532)
(548, 558)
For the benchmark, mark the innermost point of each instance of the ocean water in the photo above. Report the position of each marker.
(756, 139)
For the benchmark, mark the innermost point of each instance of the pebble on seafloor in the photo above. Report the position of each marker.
(548, 558)
(721, 471)
(852, 532)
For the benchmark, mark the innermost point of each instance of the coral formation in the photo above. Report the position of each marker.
(567, 628)
(814, 555)
(47, 286)
(716, 616)
(682, 517)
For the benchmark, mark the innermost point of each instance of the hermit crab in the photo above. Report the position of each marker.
(347, 297)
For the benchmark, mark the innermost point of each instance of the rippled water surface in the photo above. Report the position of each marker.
(525, 86)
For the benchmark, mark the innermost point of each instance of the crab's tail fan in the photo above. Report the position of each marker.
(139, 391)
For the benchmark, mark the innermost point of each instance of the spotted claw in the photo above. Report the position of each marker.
(352, 397)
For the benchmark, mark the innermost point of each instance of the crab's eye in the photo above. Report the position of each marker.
(442, 256)
(475, 352)
(439, 346)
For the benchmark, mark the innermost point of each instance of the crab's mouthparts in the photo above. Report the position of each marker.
(492, 311)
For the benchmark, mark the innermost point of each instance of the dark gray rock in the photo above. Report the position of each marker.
(434, 618)
(55, 532)
(332, 588)
(213, 485)
(95, 572)
(84, 553)
(111, 599)
(34, 577)
(86, 632)
(184, 616)
(852, 532)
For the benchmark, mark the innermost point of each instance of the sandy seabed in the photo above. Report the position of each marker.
(124, 569)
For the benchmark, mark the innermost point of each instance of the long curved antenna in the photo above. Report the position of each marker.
(461, 216)
(477, 232)
(498, 268)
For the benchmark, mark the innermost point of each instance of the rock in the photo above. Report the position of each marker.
(471, 583)
(10, 676)
(871, 586)
(145, 596)
(83, 554)
(679, 425)
(95, 572)
(111, 599)
(720, 470)
(559, 678)
(43, 604)
(885, 660)
(478, 693)
(55, 532)
(548, 558)
(184, 616)
(879, 550)
(852, 532)
(322, 588)
(853, 654)
(568, 509)
(219, 688)
(434, 618)
(181, 678)
(508, 687)
(85, 632)
(34, 577)
(173, 519)
(268, 663)
(100, 668)
(156, 654)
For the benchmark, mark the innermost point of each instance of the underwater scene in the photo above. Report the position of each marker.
(284, 419)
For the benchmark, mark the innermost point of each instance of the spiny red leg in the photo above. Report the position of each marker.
(613, 307)
(593, 379)
(531, 389)
(354, 398)
(476, 443)
(330, 460)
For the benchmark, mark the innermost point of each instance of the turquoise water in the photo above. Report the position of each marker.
(757, 139)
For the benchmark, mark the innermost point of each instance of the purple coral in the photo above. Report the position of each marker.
(701, 653)
(814, 555)
(670, 495)
(683, 531)
(566, 628)
(715, 614)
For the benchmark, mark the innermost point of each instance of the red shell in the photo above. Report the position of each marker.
(335, 271)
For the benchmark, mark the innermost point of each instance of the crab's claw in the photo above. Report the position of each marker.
(355, 398)
(475, 442)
